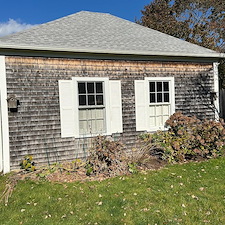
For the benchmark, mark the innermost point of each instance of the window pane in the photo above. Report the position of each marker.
(81, 88)
(166, 97)
(100, 126)
(90, 87)
(159, 86)
(99, 99)
(165, 86)
(152, 86)
(99, 88)
(83, 127)
(83, 114)
(159, 97)
(99, 113)
(91, 100)
(82, 99)
(152, 97)
(158, 121)
(166, 110)
(158, 110)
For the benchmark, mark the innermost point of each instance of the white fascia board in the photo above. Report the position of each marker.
(4, 118)
(109, 51)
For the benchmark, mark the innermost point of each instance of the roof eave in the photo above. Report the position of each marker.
(114, 52)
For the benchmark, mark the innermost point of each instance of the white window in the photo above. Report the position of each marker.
(154, 102)
(90, 106)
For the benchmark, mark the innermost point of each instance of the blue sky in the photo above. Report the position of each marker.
(16, 15)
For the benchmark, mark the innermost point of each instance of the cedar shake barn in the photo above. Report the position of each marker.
(64, 82)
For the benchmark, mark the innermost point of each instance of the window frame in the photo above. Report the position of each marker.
(106, 99)
(91, 107)
(171, 98)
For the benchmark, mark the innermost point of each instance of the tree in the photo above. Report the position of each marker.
(200, 22)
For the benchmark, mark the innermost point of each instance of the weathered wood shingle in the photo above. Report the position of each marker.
(35, 128)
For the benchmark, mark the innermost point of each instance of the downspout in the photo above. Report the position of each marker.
(216, 90)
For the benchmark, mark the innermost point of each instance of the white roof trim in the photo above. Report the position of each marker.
(119, 52)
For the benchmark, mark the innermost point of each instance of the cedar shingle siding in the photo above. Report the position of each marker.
(35, 128)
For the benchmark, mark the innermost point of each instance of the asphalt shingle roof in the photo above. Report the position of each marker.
(101, 33)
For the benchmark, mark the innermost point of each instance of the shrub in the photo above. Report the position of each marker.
(106, 157)
(27, 163)
(189, 138)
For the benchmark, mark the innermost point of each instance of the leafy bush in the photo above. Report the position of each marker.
(27, 163)
(133, 167)
(189, 138)
(106, 157)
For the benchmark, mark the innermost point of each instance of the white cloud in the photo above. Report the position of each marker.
(12, 26)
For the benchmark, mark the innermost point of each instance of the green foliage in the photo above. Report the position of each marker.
(77, 163)
(89, 169)
(189, 138)
(27, 163)
(106, 157)
(132, 167)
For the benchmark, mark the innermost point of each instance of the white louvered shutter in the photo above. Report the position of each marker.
(115, 106)
(141, 105)
(66, 108)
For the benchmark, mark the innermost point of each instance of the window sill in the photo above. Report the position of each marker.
(158, 129)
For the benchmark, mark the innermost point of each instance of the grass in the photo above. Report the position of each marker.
(192, 193)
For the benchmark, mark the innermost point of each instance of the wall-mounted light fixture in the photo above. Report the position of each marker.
(13, 103)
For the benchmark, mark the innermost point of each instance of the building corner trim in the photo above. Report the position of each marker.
(216, 90)
(4, 126)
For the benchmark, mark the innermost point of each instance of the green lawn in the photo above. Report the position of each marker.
(192, 193)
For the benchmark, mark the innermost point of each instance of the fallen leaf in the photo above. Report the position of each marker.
(194, 197)
(145, 209)
(99, 203)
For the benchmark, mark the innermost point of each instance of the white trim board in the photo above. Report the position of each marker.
(216, 89)
(4, 126)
